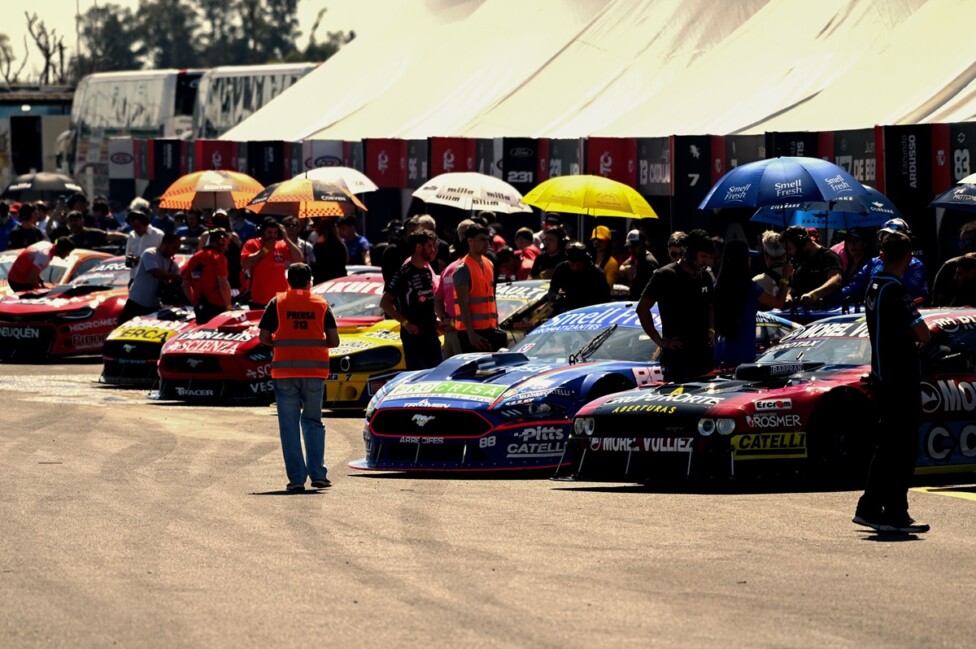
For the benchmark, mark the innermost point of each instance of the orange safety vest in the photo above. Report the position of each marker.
(484, 313)
(300, 349)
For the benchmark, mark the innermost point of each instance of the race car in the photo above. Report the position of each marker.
(130, 355)
(131, 352)
(60, 271)
(68, 320)
(511, 410)
(223, 361)
(804, 406)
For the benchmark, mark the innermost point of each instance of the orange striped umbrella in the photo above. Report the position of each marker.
(306, 197)
(211, 189)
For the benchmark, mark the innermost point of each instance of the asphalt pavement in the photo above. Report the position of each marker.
(133, 523)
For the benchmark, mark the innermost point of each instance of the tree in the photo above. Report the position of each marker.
(7, 58)
(167, 31)
(316, 51)
(51, 47)
(106, 41)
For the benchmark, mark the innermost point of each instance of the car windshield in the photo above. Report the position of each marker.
(846, 350)
(109, 273)
(512, 296)
(354, 305)
(623, 344)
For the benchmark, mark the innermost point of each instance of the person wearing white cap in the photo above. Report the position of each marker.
(637, 269)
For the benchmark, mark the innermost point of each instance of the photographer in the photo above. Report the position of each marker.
(154, 266)
(266, 258)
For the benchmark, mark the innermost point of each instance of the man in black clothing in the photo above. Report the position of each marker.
(553, 253)
(817, 271)
(577, 282)
(894, 326)
(965, 278)
(398, 250)
(26, 233)
(408, 298)
(683, 292)
(91, 238)
(945, 286)
(637, 269)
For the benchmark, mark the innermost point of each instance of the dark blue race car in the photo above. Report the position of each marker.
(514, 410)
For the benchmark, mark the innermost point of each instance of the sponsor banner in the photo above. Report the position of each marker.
(488, 157)
(215, 155)
(121, 159)
(164, 161)
(520, 162)
(145, 333)
(772, 420)
(221, 347)
(565, 157)
(953, 154)
(87, 325)
(348, 286)
(677, 396)
(20, 333)
(523, 397)
(769, 445)
(418, 168)
(537, 442)
(612, 157)
(261, 387)
(857, 329)
(908, 174)
(323, 153)
(642, 445)
(648, 375)
(800, 143)
(717, 153)
(448, 390)
(948, 396)
(949, 325)
(620, 314)
(384, 335)
(952, 442)
(690, 180)
(266, 161)
(517, 293)
(188, 392)
(855, 152)
(774, 404)
(425, 403)
(654, 166)
(451, 154)
(742, 149)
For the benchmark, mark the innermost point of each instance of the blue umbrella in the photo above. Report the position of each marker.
(961, 197)
(778, 180)
(864, 211)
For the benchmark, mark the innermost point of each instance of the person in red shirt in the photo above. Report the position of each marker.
(266, 258)
(205, 278)
(25, 272)
(527, 252)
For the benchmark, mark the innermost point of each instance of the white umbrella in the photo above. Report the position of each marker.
(355, 180)
(469, 190)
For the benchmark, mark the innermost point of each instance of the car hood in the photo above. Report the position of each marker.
(157, 327)
(722, 395)
(57, 301)
(492, 380)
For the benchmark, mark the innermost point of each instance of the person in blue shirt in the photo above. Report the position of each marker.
(915, 279)
(7, 224)
(737, 299)
(356, 244)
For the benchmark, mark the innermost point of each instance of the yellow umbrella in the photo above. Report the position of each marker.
(591, 195)
(210, 189)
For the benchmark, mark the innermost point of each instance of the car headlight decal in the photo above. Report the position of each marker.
(584, 426)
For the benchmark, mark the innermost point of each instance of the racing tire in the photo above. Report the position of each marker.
(840, 439)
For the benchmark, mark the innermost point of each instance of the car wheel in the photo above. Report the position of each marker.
(840, 438)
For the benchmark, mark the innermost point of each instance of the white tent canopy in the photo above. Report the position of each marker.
(634, 68)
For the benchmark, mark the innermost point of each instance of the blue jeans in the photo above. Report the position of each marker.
(299, 403)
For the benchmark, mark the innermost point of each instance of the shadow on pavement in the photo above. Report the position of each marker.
(285, 492)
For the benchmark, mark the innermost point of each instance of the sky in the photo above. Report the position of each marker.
(59, 15)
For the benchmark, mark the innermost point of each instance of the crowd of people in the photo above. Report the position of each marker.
(707, 295)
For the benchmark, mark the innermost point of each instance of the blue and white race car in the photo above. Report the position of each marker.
(514, 410)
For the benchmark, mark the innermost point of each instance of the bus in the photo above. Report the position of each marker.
(230, 94)
(143, 104)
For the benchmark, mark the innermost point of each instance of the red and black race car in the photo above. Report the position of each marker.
(67, 320)
(803, 405)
